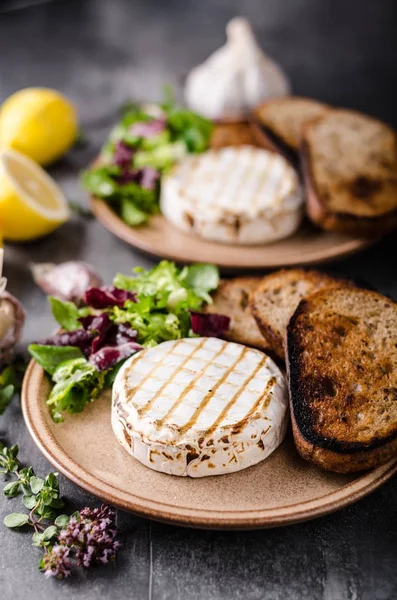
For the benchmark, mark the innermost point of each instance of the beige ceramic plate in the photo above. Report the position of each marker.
(281, 490)
(307, 246)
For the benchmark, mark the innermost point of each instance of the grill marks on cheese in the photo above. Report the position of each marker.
(230, 183)
(199, 406)
(230, 404)
(191, 386)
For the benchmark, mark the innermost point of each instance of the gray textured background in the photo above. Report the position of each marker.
(101, 53)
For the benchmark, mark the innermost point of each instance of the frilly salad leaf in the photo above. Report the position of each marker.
(77, 383)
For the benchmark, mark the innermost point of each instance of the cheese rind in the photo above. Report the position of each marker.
(199, 406)
(243, 195)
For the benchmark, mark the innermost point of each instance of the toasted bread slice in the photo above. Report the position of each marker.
(285, 118)
(233, 134)
(274, 301)
(342, 364)
(350, 169)
(232, 299)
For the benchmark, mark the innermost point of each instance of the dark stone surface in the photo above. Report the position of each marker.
(101, 53)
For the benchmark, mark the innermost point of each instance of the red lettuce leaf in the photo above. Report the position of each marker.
(80, 338)
(147, 129)
(209, 324)
(122, 154)
(108, 296)
(148, 178)
(108, 356)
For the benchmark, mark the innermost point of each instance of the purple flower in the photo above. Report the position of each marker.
(56, 562)
(107, 296)
(90, 537)
(147, 129)
(149, 177)
(209, 324)
(122, 154)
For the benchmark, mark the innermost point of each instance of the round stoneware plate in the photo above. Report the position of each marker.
(307, 246)
(282, 489)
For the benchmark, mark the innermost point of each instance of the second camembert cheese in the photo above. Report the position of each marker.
(237, 195)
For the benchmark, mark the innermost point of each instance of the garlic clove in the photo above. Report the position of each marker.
(12, 318)
(235, 78)
(67, 281)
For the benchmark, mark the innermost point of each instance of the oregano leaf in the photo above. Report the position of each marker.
(50, 532)
(29, 501)
(36, 484)
(62, 520)
(16, 520)
(11, 489)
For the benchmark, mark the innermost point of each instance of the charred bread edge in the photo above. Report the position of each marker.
(280, 145)
(338, 221)
(267, 139)
(304, 418)
(338, 462)
(268, 332)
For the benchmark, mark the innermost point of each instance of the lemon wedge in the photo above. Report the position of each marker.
(39, 122)
(31, 203)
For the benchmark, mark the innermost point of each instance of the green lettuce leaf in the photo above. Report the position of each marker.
(203, 279)
(131, 214)
(66, 313)
(51, 357)
(100, 181)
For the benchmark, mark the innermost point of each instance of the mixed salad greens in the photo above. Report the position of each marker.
(110, 323)
(144, 144)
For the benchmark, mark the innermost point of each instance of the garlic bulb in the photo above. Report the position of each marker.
(235, 78)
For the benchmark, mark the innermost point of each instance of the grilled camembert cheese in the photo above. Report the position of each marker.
(242, 195)
(199, 406)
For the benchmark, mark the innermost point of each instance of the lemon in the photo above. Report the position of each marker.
(39, 122)
(31, 203)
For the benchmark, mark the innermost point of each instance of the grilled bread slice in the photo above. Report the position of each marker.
(284, 119)
(232, 299)
(342, 364)
(275, 299)
(233, 134)
(350, 170)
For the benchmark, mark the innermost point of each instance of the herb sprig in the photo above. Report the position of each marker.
(83, 539)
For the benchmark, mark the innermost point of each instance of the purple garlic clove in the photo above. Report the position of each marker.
(67, 281)
(12, 318)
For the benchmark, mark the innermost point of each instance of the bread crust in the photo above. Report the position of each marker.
(337, 221)
(244, 329)
(352, 462)
(282, 142)
(327, 452)
(275, 340)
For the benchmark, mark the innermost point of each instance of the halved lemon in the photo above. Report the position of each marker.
(31, 203)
